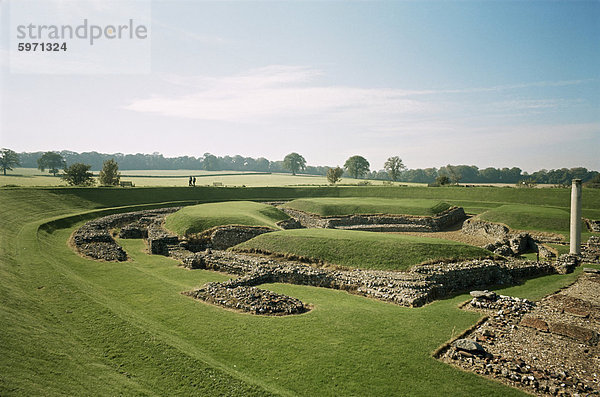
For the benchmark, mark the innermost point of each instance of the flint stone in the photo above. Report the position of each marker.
(534, 322)
(468, 345)
(489, 295)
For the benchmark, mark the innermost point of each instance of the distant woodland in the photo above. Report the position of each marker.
(210, 162)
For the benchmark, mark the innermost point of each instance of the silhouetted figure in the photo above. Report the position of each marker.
(194, 181)
(190, 182)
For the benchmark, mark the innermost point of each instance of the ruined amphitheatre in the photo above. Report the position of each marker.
(240, 288)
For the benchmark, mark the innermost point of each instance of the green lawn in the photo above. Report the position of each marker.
(329, 206)
(73, 326)
(358, 249)
(197, 218)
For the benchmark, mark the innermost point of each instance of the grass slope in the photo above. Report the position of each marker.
(358, 249)
(476, 198)
(197, 218)
(327, 206)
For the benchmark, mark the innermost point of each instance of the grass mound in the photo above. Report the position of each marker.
(357, 249)
(331, 206)
(197, 218)
(529, 217)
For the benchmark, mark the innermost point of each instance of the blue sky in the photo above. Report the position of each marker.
(482, 83)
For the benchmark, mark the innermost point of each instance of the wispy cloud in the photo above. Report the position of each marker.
(373, 121)
(267, 93)
(276, 91)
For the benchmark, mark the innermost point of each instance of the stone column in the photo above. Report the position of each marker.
(575, 237)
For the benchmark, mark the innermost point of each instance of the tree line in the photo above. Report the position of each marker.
(157, 161)
(354, 167)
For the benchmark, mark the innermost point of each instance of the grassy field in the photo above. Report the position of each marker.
(327, 206)
(73, 326)
(197, 218)
(145, 178)
(364, 250)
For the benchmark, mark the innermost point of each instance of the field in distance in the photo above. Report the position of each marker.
(34, 177)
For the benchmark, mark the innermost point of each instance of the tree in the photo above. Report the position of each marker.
(357, 166)
(8, 160)
(442, 180)
(453, 173)
(78, 174)
(294, 162)
(52, 161)
(594, 182)
(394, 166)
(110, 175)
(334, 175)
(211, 162)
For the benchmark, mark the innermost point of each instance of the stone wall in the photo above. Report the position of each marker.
(414, 288)
(478, 227)
(592, 225)
(223, 237)
(94, 240)
(380, 222)
(248, 299)
(513, 245)
(159, 239)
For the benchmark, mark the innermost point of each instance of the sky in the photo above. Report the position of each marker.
(485, 83)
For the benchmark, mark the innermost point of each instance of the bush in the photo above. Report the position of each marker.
(78, 174)
(110, 175)
(334, 175)
(442, 180)
(594, 182)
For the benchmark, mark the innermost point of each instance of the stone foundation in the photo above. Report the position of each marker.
(379, 222)
(548, 348)
(513, 245)
(223, 237)
(592, 225)
(477, 227)
(94, 239)
(248, 299)
(413, 288)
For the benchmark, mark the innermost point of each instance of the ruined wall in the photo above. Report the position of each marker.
(380, 222)
(477, 227)
(416, 287)
(94, 240)
(592, 225)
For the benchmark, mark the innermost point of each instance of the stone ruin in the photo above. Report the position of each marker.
(549, 348)
(379, 222)
(415, 287)
(509, 243)
(94, 238)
